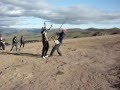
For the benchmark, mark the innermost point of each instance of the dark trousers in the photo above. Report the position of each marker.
(56, 47)
(14, 44)
(2, 45)
(22, 44)
(45, 48)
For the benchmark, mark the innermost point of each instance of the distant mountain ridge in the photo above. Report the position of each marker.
(9, 31)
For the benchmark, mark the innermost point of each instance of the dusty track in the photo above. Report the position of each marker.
(87, 64)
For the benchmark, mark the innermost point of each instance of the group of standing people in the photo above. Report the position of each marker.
(15, 42)
(45, 42)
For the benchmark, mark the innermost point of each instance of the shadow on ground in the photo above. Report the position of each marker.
(22, 54)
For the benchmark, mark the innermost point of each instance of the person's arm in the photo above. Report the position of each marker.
(49, 28)
(44, 24)
(58, 33)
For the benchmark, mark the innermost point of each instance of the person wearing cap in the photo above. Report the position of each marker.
(14, 43)
(58, 42)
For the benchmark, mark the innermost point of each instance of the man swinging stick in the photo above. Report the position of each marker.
(58, 42)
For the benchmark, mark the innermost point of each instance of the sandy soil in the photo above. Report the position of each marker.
(91, 63)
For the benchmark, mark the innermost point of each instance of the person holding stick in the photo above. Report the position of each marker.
(58, 42)
(45, 41)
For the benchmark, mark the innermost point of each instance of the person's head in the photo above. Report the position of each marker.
(44, 28)
(64, 30)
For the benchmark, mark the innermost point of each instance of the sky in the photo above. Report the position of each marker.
(74, 13)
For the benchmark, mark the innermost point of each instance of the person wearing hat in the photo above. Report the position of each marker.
(58, 42)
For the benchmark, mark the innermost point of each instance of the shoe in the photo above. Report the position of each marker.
(46, 56)
(43, 57)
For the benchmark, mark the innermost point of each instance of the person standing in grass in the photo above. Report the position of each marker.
(14, 43)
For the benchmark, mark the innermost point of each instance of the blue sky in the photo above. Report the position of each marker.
(101, 4)
(80, 13)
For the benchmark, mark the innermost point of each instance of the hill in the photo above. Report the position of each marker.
(90, 63)
(35, 33)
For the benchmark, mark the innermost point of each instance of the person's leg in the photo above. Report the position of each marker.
(47, 47)
(58, 49)
(0, 45)
(20, 45)
(59, 52)
(12, 47)
(43, 49)
(23, 45)
(53, 50)
(3, 46)
(16, 47)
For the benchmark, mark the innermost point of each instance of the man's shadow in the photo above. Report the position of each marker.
(22, 54)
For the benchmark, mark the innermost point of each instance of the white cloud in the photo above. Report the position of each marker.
(40, 8)
(10, 21)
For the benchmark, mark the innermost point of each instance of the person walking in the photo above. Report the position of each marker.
(14, 43)
(58, 42)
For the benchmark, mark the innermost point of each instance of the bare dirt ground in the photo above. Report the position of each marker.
(91, 63)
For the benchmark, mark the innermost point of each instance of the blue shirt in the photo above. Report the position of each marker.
(61, 37)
